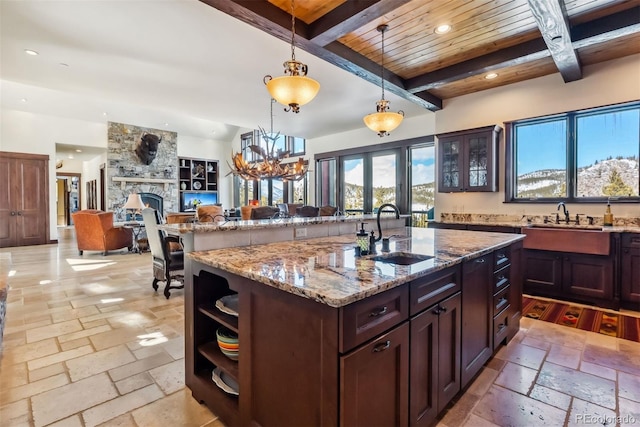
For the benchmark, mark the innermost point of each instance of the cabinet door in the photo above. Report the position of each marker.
(588, 275)
(630, 270)
(478, 162)
(434, 371)
(542, 272)
(451, 164)
(374, 381)
(477, 316)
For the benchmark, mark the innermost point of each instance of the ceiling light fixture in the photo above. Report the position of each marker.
(294, 88)
(31, 52)
(270, 165)
(491, 76)
(23, 100)
(383, 121)
(442, 29)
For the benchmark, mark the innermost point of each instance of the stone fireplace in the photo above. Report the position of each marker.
(126, 173)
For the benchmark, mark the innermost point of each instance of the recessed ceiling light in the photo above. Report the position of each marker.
(70, 156)
(78, 150)
(105, 113)
(443, 29)
(166, 124)
(23, 100)
(31, 52)
(491, 76)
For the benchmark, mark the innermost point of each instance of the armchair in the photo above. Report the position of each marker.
(168, 265)
(307, 211)
(95, 232)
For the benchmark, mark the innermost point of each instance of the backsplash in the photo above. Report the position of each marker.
(525, 219)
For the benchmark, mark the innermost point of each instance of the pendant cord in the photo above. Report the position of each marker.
(382, 62)
(293, 32)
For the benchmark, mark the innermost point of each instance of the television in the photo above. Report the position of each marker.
(187, 199)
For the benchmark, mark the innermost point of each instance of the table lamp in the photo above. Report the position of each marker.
(135, 204)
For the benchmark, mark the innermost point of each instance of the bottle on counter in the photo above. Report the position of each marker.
(608, 216)
(362, 240)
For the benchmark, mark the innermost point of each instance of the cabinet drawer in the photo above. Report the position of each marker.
(502, 257)
(501, 300)
(426, 291)
(371, 316)
(631, 240)
(501, 327)
(501, 279)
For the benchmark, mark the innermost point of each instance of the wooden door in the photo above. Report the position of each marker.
(24, 215)
(630, 274)
(374, 389)
(588, 276)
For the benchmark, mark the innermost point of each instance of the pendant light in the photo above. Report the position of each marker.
(294, 88)
(383, 121)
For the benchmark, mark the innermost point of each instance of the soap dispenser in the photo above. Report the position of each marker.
(608, 216)
(362, 240)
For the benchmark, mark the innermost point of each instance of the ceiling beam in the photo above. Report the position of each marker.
(587, 34)
(273, 20)
(552, 20)
(348, 17)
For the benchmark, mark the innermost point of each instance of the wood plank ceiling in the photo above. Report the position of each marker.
(516, 39)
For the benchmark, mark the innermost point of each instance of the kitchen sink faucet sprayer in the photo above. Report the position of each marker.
(385, 205)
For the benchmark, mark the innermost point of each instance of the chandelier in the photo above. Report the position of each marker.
(270, 164)
(294, 88)
(383, 121)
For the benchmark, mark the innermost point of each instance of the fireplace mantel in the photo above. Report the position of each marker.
(124, 179)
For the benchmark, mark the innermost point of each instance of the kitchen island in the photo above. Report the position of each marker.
(328, 338)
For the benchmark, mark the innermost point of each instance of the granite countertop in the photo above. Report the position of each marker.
(621, 224)
(208, 227)
(327, 270)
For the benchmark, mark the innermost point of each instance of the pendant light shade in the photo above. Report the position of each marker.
(382, 121)
(294, 88)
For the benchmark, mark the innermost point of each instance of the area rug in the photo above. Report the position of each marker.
(580, 317)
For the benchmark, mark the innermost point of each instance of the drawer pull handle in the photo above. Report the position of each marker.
(502, 302)
(501, 326)
(501, 256)
(382, 346)
(439, 309)
(480, 261)
(379, 312)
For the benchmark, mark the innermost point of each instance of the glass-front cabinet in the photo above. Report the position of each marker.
(468, 160)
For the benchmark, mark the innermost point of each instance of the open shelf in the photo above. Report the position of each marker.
(212, 353)
(225, 319)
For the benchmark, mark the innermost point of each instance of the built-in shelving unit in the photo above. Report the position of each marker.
(198, 178)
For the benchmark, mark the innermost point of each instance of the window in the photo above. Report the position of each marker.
(360, 179)
(587, 155)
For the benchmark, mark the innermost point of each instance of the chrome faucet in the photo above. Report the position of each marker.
(565, 211)
(385, 205)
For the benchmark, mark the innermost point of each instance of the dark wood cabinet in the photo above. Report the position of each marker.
(468, 160)
(581, 278)
(630, 271)
(435, 360)
(374, 384)
(24, 199)
(395, 358)
(477, 316)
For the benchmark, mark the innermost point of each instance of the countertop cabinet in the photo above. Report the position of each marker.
(468, 160)
(375, 381)
(477, 316)
(435, 360)
(630, 271)
(583, 278)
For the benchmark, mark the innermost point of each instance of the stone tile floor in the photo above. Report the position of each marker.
(87, 342)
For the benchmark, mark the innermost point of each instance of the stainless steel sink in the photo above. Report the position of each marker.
(400, 258)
